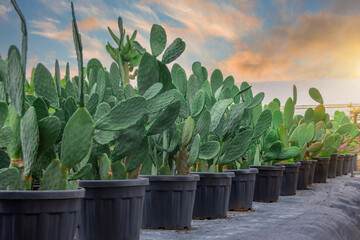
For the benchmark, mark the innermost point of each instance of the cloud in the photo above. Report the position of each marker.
(34, 59)
(317, 46)
(4, 11)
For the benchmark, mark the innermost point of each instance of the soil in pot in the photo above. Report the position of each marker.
(290, 178)
(304, 171)
(169, 201)
(312, 171)
(268, 183)
(346, 164)
(39, 215)
(340, 164)
(321, 170)
(112, 209)
(212, 195)
(333, 165)
(242, 189)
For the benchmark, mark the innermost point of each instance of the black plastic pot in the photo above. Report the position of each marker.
(290, 178)
(242, 189)
(304, 170)
(340, 164)
(346, 165)
(169, 201)
(352, 163)
(332, 165)
(268, 183)
(212, 195)
(355, 163)
(39, 215)
(112, 209)
(321, 170)
(312, 171)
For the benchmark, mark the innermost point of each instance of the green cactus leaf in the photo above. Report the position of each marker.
(194, 85)
(116, 76)
(7, 177)
(209, 150)
(263, 123)
(13, 121)
(273, 106)
(315, 95)
(118, 170)
(93, 65)
(129, 91)
(2, 92)
(3, 113)
(41, 108)
(138, 157)
(256, 101)
(187, 132)
(69, 107)
(173, 51)
(57, 78)
(15, 82)
(301, 132)
(128, 140)
(238, 147)
(148, 73)
(4, 159)
(294, 94)
(233, 117)
(92, 103)
(84, 171)
(198, 103)
(197, 70)
(104, 167)
(309, 115)
(345, 120)
(49, 130)
(161, 101)
(125, 114)
(216, 80)
(310, 132)
(217, 112)
(6, 136)
(157, 40)
(165, 119)
(194, 150)
(274, 151)
(202, 125)
(315, 147)
(101, 85)
(229, 82)
(270, 139)
(329, 142)
(176, 138)
(45, 86)
(153, 91)
(55, 177)
(345, 129)
(288, 113)
(42, 162)
(277, 119)
(319, 113)
(178, 75)
(247, 94)
(165, 77)
(71, 90)
(29, 135)
(75, 147)
(283, 136)
(288, 153)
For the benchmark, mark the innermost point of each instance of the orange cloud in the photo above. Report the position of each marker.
(88, 25)
(324, 45)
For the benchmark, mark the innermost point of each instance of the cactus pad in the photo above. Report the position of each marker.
(157, 39)
(45, 86)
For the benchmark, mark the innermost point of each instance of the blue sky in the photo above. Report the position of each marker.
(270, 43)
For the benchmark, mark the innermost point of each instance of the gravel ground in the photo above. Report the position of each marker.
(325, 211)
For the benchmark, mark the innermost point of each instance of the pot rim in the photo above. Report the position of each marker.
(38, 194)
(272, 168)
(296, 164)
(214, 174)
(172, 178)
(114, 183)
(243, 171)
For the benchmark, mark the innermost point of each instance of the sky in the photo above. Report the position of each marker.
(272, 44)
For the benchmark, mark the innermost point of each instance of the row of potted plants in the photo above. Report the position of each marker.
(110, 157)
